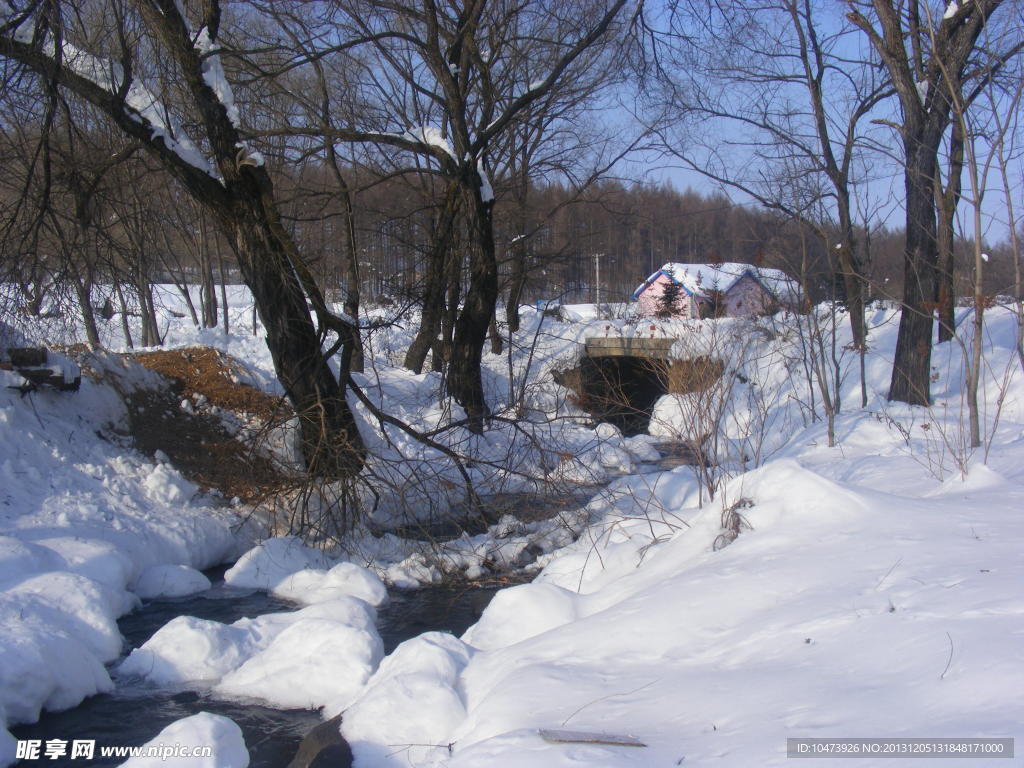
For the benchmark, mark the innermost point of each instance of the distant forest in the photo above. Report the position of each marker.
(594, 244)
(124, 226)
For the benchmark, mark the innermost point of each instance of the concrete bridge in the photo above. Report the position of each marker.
(616, 346)
(619, 379)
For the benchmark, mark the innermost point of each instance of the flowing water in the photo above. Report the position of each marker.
(136, 711)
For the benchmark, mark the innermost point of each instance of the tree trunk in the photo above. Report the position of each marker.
(183, 289)
(853, 285)
(242, 199)
(911, 373)
(83, 291)
(453, 296)
(150, 332)
(465, 381)
(223, 292)
(331, 443)
(497, 343)
(433, 309)
(125, 327)
(434, 291)
(947, 200)
(515, 294)
(208, 292)
(352, 350)
(517, 282)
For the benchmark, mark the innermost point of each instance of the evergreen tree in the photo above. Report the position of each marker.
(668, 302)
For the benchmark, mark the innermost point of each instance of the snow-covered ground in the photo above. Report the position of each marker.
(870, 589)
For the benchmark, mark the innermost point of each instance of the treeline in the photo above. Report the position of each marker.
(114, 226)
(459, 155)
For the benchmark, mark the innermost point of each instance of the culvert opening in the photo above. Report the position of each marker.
(623, 389)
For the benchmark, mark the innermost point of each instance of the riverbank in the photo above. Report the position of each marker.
(786, 589)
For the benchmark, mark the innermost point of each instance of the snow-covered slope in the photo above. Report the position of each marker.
(870, 589)
(81, 520)
(873, 590)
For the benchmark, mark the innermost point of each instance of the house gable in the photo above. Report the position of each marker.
(742, 289)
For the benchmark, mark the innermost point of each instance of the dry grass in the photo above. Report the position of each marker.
(209, 372)
(199, 444)
(685, 376)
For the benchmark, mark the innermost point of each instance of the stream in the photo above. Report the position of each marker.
(136, 711)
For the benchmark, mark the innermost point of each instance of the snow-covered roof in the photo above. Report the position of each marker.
(699, 279)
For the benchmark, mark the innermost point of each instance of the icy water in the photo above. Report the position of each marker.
(526, 507)
(136, 711)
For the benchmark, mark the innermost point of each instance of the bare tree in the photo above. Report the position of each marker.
(149, 68)
(981, 127)
(925, 58)
(442, 84)
(777, 99)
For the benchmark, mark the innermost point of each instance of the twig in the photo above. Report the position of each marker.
(950, 660)
(609, 696)
(894, 567)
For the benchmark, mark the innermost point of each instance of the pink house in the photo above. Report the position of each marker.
(736, 289)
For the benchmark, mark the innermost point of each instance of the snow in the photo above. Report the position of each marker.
(866, 589)
(414, 694)
(81, 520)
(170, 581)
(698, 279)
(432, 136)
(313, 586)
(200, 730)
(486, 190)
(519, 613)
(213, 75)
(718, 657)
(271, 561)
(312, 663)
(873, 589)
(319, 656)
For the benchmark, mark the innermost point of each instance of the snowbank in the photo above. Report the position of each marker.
(81, 521)
(319, 656)
(170, 581)
(871, 588)
(270, 562)
(836, 611)
(221, 735)
(414, 695)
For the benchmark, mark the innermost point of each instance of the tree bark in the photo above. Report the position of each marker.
(465, 380)
(911, 374)
(926, 79)
(125, 327)
(83, 292)
(947, 201)
(436, 284)
(208, 292)
(330, 437)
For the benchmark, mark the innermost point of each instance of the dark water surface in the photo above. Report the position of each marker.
(137, 711)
